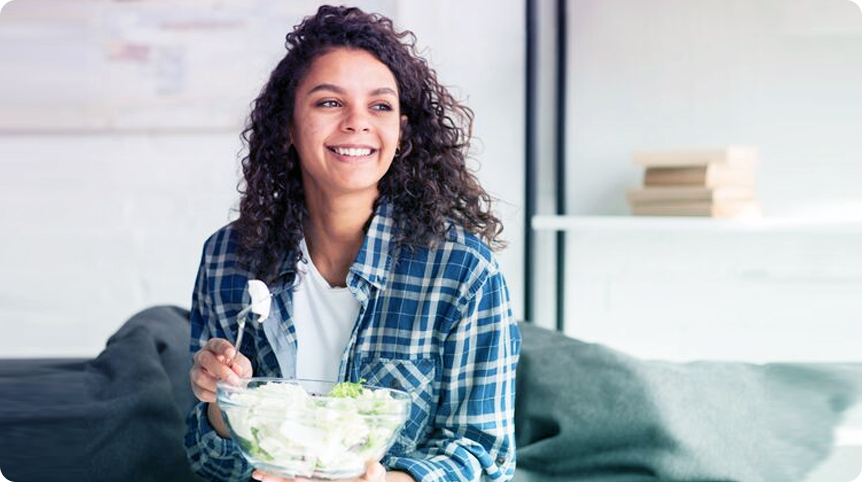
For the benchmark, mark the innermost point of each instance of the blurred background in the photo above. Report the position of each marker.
(120, 148)
(120, 143)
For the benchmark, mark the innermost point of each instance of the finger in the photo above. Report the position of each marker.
(205, 395)
(220, 346)
(241, 366)
(214, 368)
(258, 475)
(200, 377)
(204, 358)
(374, 471)
(203, 385)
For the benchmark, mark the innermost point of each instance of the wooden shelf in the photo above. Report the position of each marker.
(695, 224)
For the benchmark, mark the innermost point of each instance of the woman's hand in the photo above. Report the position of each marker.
(374, 472)
(217, 360)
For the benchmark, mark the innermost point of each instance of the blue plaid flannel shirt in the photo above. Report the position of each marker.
(434, 322)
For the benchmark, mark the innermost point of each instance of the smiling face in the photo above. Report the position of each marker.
(346, 124)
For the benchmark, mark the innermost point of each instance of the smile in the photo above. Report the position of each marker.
(352, 151)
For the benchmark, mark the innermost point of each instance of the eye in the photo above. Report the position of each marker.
(382, 107)
(327, 103)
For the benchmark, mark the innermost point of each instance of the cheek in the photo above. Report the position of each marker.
(307, 135)
(393, 133)
(307, 129)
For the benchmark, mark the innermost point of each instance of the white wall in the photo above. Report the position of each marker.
(782, 75)
(113, 173)
(98, 226)
(477, 47)
(781, 294)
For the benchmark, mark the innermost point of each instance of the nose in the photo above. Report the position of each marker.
(356, 119)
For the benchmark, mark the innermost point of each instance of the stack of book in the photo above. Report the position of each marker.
(696, 182)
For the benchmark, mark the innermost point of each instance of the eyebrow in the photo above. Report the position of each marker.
(339, 90)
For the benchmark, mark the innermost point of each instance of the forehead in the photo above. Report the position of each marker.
(348, 67)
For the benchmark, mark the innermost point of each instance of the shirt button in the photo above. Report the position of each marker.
(395, 384)
(501, 460)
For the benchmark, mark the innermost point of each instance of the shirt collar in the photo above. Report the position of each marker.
(374, 259)
(375, 256)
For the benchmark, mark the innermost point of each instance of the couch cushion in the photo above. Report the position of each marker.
(119, 416)
(586, 412)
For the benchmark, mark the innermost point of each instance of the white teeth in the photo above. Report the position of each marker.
(352, 151)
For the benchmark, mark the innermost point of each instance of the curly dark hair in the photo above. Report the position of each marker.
(428, 185)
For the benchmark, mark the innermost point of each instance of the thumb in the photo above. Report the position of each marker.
(241, 365)
(374, 472)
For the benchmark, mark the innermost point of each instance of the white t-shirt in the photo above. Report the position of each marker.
(323, 317)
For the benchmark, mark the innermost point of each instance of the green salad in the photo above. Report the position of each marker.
(285, 430)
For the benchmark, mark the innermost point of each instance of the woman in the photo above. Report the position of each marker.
(359, 212)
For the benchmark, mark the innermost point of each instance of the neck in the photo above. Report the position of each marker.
(334, 234)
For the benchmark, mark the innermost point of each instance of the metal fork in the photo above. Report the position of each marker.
(242, 317)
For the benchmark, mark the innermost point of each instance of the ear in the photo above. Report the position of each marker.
(404, 123)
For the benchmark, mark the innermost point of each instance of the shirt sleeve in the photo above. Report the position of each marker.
(473, 437)
(210, 456)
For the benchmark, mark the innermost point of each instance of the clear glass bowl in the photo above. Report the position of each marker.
(296, 428)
